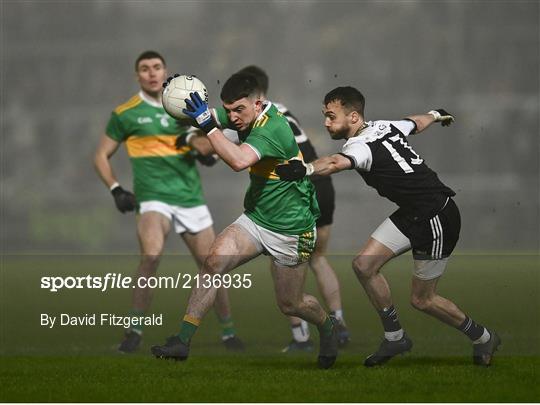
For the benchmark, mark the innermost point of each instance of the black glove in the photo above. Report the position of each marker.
(208, 160)
(124, 200)
(442, 116)
(293, 170)
(181, 141)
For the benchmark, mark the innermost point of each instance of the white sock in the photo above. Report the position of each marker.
(338, 313)
(484, 338)
(393, 336)
(301, 332)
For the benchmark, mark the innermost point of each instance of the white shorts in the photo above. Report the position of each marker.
(390, 236)
(192, 219)
(286, 250)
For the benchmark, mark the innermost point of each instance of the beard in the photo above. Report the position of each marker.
(339, 133)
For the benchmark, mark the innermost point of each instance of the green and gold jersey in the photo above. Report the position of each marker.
(160, 171)
(286, 207)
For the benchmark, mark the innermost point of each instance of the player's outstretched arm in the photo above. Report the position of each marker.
(423, 121)
(296, 169)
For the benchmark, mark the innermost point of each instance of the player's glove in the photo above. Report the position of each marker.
(442, 116)
(294, 169)
(197, 109)
(124, 200)
(183, 140)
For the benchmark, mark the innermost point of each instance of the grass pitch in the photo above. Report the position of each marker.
(79, 364)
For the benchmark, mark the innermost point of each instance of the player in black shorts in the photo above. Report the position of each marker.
(327, 280)
(427, 220)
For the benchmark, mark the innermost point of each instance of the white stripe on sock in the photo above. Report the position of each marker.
(484, 338)
(393, 336)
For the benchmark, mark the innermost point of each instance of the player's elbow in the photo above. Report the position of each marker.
(100, 156)
(239, 165)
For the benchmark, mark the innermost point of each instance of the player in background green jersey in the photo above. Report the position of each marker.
(167, 188)
(278, 219)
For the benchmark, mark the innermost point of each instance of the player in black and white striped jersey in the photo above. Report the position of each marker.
(327, 280)
(428, 220)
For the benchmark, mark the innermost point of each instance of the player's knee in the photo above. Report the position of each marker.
(149, 263)
(288, 307)
(363, 267)
(421, 303)
(213, 264)
(316, 261)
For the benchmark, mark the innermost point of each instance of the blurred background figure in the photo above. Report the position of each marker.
(168, 193)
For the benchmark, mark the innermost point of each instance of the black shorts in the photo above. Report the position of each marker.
(326, 198)
(433, 238)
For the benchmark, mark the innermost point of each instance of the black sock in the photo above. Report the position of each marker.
(472, 329)
(389, 319)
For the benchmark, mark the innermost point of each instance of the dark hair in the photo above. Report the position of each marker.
(148, 55)
(238, 86)
(350, 98)
(259, 75)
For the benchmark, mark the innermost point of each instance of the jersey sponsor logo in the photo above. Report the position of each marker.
(163, 120)
(144, 120)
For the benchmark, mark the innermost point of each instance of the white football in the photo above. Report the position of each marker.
(178, 90)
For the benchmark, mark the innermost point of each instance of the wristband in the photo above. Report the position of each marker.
(212, 130)
(114, 185)
(309, 169)
(188, 137)
(435, 114)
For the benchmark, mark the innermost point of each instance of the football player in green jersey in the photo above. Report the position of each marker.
(327, 280)
(278, 220)
(167, 188)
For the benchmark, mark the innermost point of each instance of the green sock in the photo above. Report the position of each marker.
(187, 330)
(227, 327)
(137, 312)
(326, 328)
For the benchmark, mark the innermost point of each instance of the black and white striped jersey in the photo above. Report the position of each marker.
(381, 154)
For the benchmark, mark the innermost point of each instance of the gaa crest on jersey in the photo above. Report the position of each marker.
(163, 119)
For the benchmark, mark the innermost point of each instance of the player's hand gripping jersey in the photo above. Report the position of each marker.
(160, 171)
(288, 208)
(383, 157)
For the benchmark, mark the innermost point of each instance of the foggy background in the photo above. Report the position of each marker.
(66, 65)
